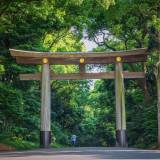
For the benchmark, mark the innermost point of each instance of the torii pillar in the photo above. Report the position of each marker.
(121, 138)
(45, 129)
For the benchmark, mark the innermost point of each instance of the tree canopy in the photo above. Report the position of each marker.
(85, 108)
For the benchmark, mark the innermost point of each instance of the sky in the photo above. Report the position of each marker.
(90, 45)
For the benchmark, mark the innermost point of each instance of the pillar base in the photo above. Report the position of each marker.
(121, 138)
(45, 139)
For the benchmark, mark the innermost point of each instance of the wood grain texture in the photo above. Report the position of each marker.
(22, 53)
(31, 57)
(81, 76)
(120, 106)
(82, 68)
(120, 98)
(45, 99)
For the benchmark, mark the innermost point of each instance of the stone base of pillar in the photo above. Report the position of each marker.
(45, 139)
(121, 138)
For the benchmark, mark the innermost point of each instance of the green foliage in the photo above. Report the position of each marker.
(11, 103)
(58, 25)
(20, 144)
(60, 136)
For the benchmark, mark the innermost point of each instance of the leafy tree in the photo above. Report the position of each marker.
(58, 25)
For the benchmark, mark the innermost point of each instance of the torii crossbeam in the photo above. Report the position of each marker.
(78, 58)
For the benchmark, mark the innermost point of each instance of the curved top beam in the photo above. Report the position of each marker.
(32, 57)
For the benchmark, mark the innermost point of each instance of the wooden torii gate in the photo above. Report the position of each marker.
(78, 58)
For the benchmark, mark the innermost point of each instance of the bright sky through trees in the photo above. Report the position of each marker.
(89, 45)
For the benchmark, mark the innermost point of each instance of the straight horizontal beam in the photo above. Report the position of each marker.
(82, 76)
(75, 61)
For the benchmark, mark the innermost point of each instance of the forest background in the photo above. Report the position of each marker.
(84, 108)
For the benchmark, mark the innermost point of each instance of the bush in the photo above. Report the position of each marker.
(19, 144)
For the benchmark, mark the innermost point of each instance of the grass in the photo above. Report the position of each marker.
(19, 144)
(56, 145)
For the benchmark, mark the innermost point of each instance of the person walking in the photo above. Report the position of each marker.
(73, 139)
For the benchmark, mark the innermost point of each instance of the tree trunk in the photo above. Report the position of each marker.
(158, 81)
(158, 96)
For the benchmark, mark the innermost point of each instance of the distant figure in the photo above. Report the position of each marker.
(73, 139)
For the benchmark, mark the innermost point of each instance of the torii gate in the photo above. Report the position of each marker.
(78, 58)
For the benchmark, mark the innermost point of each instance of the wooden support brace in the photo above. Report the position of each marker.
(82, 68)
